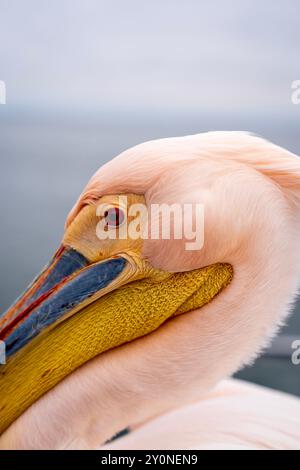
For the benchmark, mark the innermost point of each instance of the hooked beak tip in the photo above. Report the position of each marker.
(64, 284)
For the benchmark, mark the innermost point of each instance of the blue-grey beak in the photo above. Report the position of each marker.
(63, 285)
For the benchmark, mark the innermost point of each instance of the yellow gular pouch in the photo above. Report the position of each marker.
(94, 295)
(120, 316)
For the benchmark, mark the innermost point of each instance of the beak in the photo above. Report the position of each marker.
(77, 309)
(63, 287)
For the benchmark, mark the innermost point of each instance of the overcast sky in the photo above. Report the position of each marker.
(178, 55)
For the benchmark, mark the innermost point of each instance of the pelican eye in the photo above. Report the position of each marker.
(114, 217)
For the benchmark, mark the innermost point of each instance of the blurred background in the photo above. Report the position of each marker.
(85, 79)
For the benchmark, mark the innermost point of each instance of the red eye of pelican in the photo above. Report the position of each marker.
(114, 217)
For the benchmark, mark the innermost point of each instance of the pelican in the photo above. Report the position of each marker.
(143, 333)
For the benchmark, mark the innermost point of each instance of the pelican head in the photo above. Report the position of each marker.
(209, 309)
